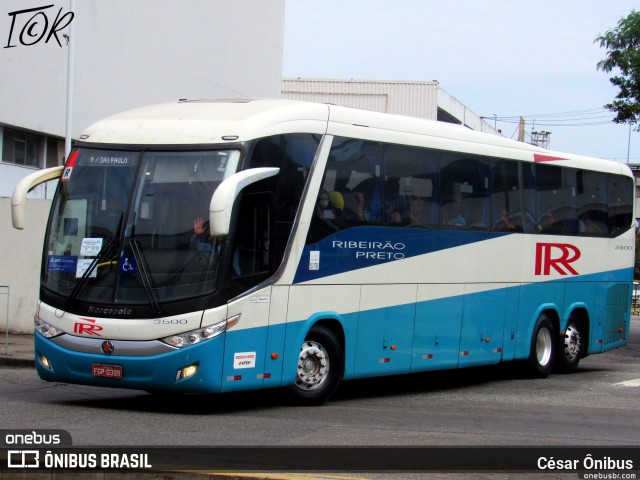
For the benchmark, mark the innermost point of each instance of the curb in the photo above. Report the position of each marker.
(17, 362)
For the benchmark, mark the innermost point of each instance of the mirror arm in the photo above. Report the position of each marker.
(226, 194)
(19, 197)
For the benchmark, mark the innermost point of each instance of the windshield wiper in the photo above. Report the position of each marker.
(105, 251)
(147, 283)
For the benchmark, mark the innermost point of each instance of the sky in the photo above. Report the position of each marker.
(500, 58)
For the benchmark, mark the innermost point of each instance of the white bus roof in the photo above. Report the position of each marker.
(202, 122)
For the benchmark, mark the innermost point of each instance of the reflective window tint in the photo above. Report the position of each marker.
(411, 187)
(620, 204)
(506, 201)
(372, 183)
(464, 187)
(556, 199)
(593, 211)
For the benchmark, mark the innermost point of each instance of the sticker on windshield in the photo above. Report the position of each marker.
(61, 263)
(128, 265)
(83, 265)
(91, 247)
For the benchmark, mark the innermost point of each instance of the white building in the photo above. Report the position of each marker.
(411, 98)
(123, 54)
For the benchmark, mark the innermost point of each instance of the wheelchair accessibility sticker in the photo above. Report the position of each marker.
(128, 265)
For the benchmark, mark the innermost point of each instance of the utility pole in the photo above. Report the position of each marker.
(521, 130)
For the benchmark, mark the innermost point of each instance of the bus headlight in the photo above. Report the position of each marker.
(45, 329)
(200, 335)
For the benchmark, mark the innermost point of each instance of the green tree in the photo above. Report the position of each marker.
(623, 56)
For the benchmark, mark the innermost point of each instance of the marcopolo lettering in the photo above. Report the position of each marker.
(109, 311)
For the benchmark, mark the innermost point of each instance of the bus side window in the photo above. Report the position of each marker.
(411, 187)
(620, 204)
(506, 204)
(592, 204)
(556, 199)
(465, 192)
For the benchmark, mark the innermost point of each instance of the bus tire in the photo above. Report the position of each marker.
(319, 367)
(543, 348)
(570, 346)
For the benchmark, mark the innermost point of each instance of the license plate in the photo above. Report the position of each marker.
(107, 371)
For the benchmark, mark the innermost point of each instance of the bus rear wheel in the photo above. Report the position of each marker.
(570, 347)
(543, 348)
(319, 367)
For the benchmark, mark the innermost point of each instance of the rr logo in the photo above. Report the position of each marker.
(557, 256)
(89, 329)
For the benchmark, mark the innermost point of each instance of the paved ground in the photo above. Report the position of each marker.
(17, 350)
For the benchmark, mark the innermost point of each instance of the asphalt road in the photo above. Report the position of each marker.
(597, 406)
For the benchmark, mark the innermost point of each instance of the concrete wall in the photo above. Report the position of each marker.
(20, 255)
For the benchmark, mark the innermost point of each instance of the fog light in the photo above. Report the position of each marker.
(186, 372)
(45, 362)
(189, 371)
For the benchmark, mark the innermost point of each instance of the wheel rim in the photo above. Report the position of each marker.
(313, 366)
(572, 343)
(544, 346)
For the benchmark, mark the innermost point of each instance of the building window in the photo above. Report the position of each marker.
(21, 148)
(55, 152)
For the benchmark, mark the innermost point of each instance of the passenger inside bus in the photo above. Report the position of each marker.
(325, 219)
(202, 242)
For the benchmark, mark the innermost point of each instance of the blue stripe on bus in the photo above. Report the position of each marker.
(362, 247)
(479, 328)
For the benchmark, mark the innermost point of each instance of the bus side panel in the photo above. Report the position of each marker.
(482, 325)
(511, 319)
(616, 299)
(534, 299)
(246, 341)
(275, 337)
(436, 343)
(385, 332)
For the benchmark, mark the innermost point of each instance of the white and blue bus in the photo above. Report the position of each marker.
(215, 246)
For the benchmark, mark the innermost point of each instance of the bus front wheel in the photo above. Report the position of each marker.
(319, 367)
(543, 348)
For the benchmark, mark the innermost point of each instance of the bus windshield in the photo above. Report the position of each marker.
(132, 227)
